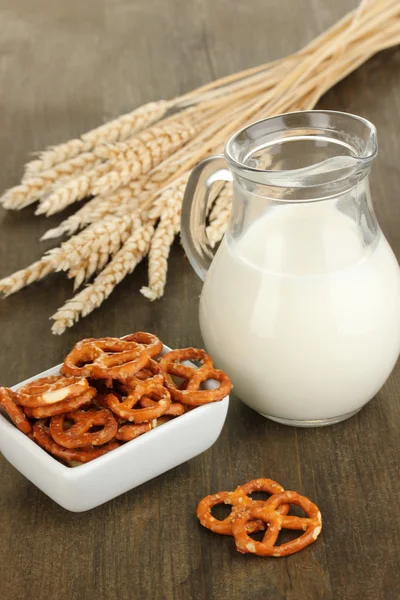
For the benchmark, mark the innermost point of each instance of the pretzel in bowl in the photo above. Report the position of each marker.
(129, 431)
(151, 371)
(151, 343)
(125, 408)
(106, 358)
(171, 365)
(41, 435)
(59, 408)
(16, 414)
(270, 514)
(79, 434)
(50, 390)
(175, 408)
(239, 499)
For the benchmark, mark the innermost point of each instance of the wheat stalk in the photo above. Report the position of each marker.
(169, 206)
(122, 128)
(136, 165)
(32, 190)
(220, 215)
(36, 271)
(124, 199)
(143, 154)
(91, 297)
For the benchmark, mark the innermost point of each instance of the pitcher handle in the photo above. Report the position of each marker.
(194, 211)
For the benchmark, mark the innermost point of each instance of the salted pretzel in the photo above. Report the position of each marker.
(50, 390)
(151, 343)
(129, 431)
(41, 435)
(79, 434)
(192, 395)
(15, 412)
(151, 371)
(106, 358)
(175, 408)
(126, 410)
(269, 514)
(65, 406)
(239, 499)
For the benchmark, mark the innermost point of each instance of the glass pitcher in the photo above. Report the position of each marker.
(300, 304)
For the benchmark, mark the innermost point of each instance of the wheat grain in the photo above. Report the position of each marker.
(169, 207)
(105, 242)
(119, 129)
(106, 236)
(72, 191)
(55, 155)
(32, 190)
(220, 215)
(143, 154)
(36, 271)
(124, 200)
(91, 297)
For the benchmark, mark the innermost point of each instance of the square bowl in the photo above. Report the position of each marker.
(88, 485)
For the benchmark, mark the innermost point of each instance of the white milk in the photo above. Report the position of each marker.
(301, 315)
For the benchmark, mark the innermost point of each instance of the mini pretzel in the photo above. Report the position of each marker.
(7, 401)
(192, 395)
(151, 343)
(151, 371)
(79, 435)
(65, 406)
(311, 525)
(125, 408)
(50, 390)
(41, 435)
(237, 499)
(175, 409)
(108, 358)
(130, 431)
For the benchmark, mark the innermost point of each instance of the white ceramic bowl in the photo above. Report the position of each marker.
(91, 484)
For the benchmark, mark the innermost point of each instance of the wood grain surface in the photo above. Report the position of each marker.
(64, 68)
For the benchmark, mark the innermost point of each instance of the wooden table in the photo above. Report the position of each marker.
(66, 67)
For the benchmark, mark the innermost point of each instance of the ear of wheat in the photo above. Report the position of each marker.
(133, 170)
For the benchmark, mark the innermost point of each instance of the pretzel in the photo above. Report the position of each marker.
(125, 408)
(191, 394)
(130, 431)
(65, 406)
(41, 435)
(175, 409)
(50, 390)
(79, 435)
(16, 414)
(108, 358)
(152, 370)
(151, 343)
(269, 513)
(238, 499)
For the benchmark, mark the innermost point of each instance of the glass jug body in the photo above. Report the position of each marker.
(300, 305)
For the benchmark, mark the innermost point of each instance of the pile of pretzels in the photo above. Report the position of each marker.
(110, 391)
